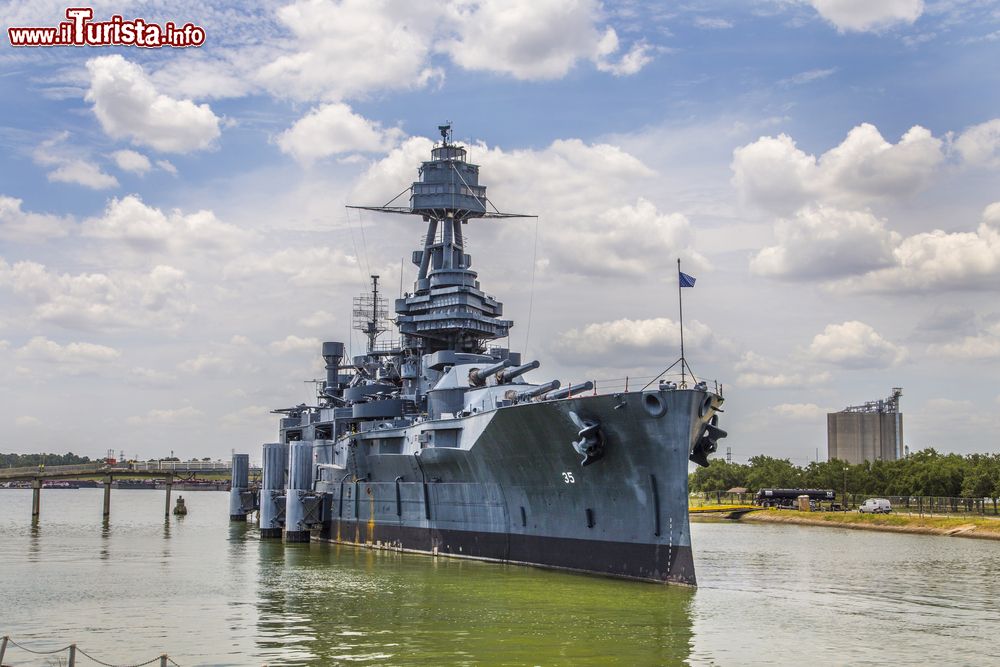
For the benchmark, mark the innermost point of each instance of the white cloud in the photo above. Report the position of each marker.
(536, 39)
(630, 63)
(208, 74)
(868, 16)
(825, 242)
(295, 344)
(149, 377)
(100, 301)
(855, 345)
(808, 76)
(167, 166)
(984, 346)
(167, 416)
(774, 173)
(208, 364)
(70, 167)
(144, 228)
(618, 337)
(608, 243)
(314, 266)
(318, 319)
(128, 106)
(72, 358)
(351, 48)
(939, 259)
(800, 411)
(980, 144)
(334, 129)
(131, 161)
(83, 173)
(756, 371)
(712, 23)
(23, 226)
(27, 421)
(256, 415)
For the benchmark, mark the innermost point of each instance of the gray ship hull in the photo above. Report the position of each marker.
(519, 494)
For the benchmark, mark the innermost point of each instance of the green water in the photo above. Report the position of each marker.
(208, 592)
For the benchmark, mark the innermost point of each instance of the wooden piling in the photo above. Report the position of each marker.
(107, 497)
(166, 508)
(3, 648)
(72, 655)
(36, 498)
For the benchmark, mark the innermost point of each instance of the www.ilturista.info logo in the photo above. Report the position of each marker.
(80, 30)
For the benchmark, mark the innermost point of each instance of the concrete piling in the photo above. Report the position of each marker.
(107, 497)
(300, 470)
(275, 468)
(36, 498)
(240, 483)
(170, 484)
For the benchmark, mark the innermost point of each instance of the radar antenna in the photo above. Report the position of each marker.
(370, 314)
(445, 131)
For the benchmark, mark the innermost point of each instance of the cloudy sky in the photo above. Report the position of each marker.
(174, 243)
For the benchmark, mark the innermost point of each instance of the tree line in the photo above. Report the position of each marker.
(24, 460)
(924, 473)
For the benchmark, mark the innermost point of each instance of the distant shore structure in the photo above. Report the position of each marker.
(872, 431)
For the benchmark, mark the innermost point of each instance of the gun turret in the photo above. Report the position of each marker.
(477, 376)
(539, 390)
(568, 391)
(506, 376)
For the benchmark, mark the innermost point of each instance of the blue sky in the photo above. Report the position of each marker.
(174, 245)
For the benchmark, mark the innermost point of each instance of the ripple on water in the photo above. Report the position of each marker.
(211, 593)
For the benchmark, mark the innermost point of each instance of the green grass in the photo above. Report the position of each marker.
(905, 522)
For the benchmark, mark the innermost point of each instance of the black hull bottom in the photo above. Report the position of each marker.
(647, 562)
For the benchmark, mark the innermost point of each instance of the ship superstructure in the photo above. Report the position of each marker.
(439, 443)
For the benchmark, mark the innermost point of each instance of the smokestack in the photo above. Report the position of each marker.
(332, 354)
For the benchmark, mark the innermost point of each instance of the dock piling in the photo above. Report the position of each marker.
(36, 498)
(72, 655)
(107, 497)
(166, 507)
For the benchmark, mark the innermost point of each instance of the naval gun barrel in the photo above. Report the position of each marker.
(569, 391)
(477, 376)
(539, 390)
(506, 376)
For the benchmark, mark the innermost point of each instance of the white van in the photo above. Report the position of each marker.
(875, 506)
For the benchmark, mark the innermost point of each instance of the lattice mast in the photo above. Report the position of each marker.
(370, 314)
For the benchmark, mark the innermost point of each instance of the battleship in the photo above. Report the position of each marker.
(438, 443)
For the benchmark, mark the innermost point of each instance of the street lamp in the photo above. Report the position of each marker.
(845, 487)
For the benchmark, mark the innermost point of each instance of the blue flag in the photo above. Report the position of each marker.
(685, 279)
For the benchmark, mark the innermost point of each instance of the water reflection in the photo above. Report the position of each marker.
(325, 604)
(35, 542)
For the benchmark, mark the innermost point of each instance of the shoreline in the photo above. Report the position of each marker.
(972, 527)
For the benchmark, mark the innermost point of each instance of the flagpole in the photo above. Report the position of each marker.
(680, 307)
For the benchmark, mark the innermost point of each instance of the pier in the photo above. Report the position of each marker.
(169, 472)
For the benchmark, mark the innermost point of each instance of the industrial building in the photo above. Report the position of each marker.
(869, 432)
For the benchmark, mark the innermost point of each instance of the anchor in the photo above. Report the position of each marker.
(707, 442)
(591, 439)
